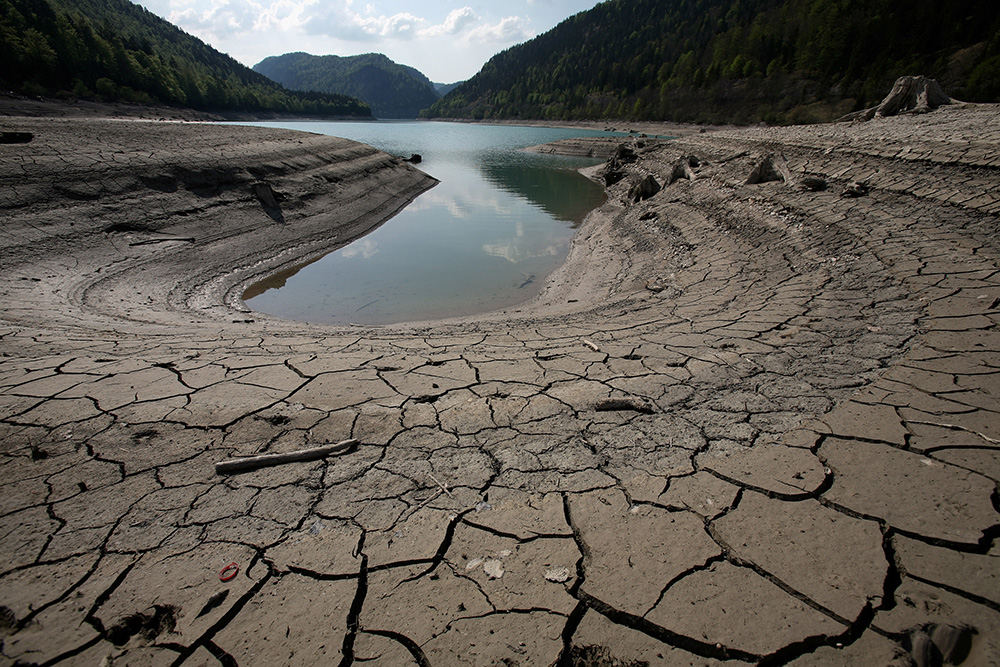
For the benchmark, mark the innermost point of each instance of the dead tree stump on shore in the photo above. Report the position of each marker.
(770, 168)
(910, 94)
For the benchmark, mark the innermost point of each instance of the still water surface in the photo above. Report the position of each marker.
(484, 238)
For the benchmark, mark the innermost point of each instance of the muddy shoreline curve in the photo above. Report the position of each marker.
(754, 419)
(158, 223)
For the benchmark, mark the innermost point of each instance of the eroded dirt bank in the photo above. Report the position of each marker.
(744, 424)
(123, 225)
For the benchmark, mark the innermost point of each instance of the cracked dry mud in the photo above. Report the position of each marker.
(744, 424)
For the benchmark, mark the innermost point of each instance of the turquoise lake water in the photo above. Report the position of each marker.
(484, 238)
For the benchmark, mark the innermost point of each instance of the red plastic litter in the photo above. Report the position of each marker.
(229, 572)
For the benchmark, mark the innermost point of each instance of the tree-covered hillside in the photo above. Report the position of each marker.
(735, 60)
(445, 88)
(116, 51)
(390, 89)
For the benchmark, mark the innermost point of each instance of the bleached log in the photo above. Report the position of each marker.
(264, 460)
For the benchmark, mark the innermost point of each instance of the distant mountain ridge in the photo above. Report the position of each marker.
(117, 51)
(391, 90)
(735, 60)
(445, 88)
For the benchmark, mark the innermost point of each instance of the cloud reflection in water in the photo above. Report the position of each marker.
(484, 238)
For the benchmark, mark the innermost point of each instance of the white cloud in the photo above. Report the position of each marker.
(340, 22)
(509, 30)
(468, 27)
(284, 14)
(457, 20)
(397, 26)
(448, 47)
(221, 18)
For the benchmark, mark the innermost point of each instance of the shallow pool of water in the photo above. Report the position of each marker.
(484, 238)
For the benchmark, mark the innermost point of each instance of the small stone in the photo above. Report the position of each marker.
(813, 184)
(855, 189)
(493, 568)
(558, 575)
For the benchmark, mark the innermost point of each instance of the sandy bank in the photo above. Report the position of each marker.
(743, 424)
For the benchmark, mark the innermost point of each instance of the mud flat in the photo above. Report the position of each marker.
(744, 424)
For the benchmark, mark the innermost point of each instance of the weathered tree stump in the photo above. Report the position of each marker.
(770, 168)
(644, 189)
(684, 168)
(265, 194)
(910, 94)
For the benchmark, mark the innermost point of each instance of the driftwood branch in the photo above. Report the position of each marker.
(264, 460)
(443, 487)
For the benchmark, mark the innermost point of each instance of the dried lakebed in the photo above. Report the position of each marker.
(743, 424)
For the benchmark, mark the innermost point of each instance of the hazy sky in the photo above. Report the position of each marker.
(446, 40)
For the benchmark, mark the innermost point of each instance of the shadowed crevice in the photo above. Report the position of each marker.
(224, 620)
(354, 615)
(411, 646)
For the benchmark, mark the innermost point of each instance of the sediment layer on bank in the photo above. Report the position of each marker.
(111, 223)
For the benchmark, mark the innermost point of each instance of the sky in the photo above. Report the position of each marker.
(447, 41)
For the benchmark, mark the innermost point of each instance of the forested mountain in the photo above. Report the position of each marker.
(117, 51)
(735, 60)
(390, 89)
(445, 88)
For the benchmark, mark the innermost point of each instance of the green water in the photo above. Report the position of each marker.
(484, 238)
